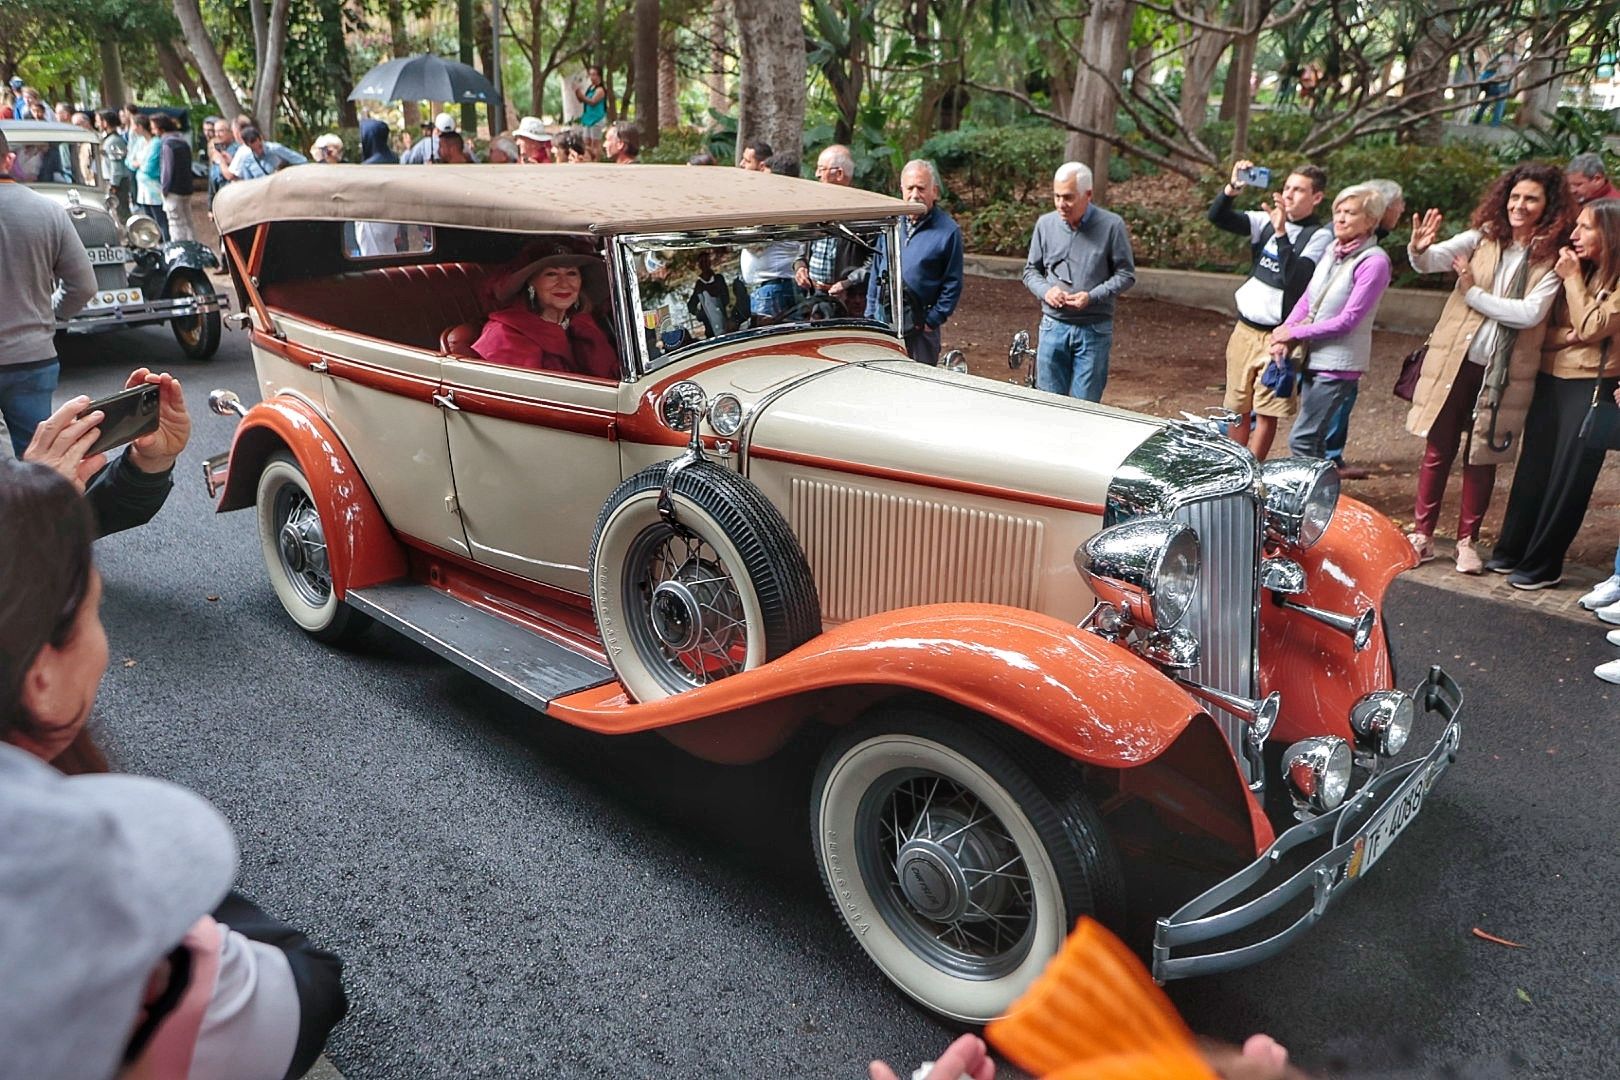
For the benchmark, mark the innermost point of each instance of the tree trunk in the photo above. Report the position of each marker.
(669, 105)
(646, 84)
(267, 87)
(259, 17)
(468, 45)
(484, 39)
(1203, 56)
(340, 75)
(1243, 79)
(113, 94)
(1103, 51)
(169, 65)
(410, 113)
(202, 47)
(715, 80)
(1229, 94)
(1426, 73)
(1541, 102)
(1141, 70)
(771, 83)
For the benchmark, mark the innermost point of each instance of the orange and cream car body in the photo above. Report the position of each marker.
(1034, 631)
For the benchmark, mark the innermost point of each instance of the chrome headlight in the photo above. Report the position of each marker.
(1318, 772)
(142, 231)
(726, 415)
(1147, 567)
(1382, 720)
(682, 406)
(1301, 494)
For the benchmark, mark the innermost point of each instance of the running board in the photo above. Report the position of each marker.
(533, 669)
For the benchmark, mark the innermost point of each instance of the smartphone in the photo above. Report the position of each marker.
(1257, 176)
(129, 415)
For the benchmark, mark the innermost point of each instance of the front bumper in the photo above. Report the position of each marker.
(1218, 912)
(119, 316)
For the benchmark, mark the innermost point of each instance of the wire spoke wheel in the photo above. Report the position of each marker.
(293, 540)
(715, 588)
(958, 855)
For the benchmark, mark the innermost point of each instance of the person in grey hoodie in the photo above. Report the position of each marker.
(40, 249)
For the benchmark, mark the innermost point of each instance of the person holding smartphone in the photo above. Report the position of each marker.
(128, 492)
(1286, 240)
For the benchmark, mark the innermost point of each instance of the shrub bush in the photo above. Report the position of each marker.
(984, 166)
(1000, 228)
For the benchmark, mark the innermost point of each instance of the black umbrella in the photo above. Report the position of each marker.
(423, 78)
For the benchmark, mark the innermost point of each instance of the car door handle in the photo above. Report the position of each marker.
(319, 366)
(447, 400)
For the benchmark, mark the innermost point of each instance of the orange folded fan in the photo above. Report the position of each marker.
(1095, 1014)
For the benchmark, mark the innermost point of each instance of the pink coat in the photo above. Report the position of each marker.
(517, 337)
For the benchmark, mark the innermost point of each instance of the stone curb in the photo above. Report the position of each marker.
(1403, 311)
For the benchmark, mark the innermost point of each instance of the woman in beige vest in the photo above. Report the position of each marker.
(1556, 473)
(1483, 355)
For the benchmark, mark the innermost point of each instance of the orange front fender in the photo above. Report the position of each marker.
(1315, 666)
(1086, 698)
(361, 548)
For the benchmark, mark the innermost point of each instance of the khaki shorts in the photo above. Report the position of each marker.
(1247, 352)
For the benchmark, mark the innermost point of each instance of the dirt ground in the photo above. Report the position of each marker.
(1168, 358)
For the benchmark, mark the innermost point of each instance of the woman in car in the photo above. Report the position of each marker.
(545, 322)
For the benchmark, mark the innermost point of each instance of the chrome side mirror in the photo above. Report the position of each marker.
(682, 406)
(1019, 350)
(226, 403)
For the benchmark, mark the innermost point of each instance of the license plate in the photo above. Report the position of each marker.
(108, 256)
(1393, 819)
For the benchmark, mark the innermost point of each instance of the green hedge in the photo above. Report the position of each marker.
(984, 166)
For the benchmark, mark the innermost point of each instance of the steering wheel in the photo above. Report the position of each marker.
(804, 309)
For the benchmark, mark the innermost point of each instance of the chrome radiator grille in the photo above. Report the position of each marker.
(1223, 615)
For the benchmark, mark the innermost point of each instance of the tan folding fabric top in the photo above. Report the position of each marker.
(545, 198)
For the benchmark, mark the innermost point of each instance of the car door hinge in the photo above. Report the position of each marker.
(451, 504)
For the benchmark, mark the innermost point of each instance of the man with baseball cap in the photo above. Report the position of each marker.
(426, 150)
(102, 877)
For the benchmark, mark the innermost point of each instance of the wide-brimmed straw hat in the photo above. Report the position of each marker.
(530, 127)
(552, 253)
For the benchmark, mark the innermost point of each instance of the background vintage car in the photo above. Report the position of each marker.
(139, 278)
(1040, 632)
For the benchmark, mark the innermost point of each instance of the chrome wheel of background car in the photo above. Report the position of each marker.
(197, 335)
(293, 540)
(719, 588)
(958, 860)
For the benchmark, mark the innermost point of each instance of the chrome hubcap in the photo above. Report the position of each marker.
(958, 888)
(302, 546)
(691, 616)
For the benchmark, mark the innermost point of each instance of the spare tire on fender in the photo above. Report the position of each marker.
(717, 587)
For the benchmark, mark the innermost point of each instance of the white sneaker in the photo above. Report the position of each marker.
(1603, 594)
(1609, 672)
(1610, 614)
(1613, 637)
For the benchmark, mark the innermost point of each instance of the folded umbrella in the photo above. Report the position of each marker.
(423, 78)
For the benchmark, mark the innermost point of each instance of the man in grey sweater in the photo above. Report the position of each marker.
(1079, 262)
(38, 248)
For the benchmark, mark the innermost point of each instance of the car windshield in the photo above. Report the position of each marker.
(49, 162)
(692, 289)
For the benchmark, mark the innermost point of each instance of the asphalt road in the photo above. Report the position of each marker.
(517, 899)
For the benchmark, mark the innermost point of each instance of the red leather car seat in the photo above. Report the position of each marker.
(413, 305)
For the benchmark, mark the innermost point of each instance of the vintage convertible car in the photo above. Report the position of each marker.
(139, 278)
(1034, 633)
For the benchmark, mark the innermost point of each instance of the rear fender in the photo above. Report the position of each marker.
(1086, 698)
(361, 548)
(1315, 666)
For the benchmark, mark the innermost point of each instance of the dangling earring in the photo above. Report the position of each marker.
(534, 298)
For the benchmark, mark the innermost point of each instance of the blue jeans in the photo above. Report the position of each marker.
(773, 296)
(25, 400)
(1072, 358)
(1338, 432)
